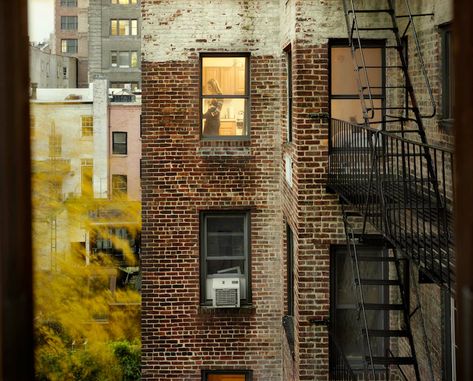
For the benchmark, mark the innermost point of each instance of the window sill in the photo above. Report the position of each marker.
(246, 309)
(229, 148)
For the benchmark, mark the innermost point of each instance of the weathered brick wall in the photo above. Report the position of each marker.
(183, 176)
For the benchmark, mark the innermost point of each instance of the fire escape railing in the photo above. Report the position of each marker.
(340, 369)
(389, 179)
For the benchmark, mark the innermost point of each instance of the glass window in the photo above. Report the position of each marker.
(225, 96)
(226, 375)
(123, 27)
(114, 58)
(69, 46)
(345, 100)
(68, 3)
(124, 59)
(114, 27)
(68, 22)
(448, 83)
(87, 174)
(134, 59)
(119, 143)
(87, 125)
(134, 27)
(119, 186)
(225, 250)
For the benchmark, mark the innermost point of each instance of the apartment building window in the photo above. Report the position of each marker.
(124, 27)
(124, 2)
(290, 270)
(69, 46)
(224, 96)
(119, 143)
(64, 72)
(86, 176)
(225, 251)
(289, 92)
(448, 83)
(345, 101)
(68, 22)
(344, 303)
(226, 375)
(87, 122)
(119, 186)
(127, 59)
(69, 3)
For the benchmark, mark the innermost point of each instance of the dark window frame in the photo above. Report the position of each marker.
(70, 23)
(203, 254)
(246, 96)
(247, 373)
(76, 46)
(367, 43)
(118, 192)
(342, 250)
(69, 3)
(116, 145)
(447, 76)
(290, 270)
(289, 92)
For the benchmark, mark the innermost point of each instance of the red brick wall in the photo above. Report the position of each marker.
(181, 177)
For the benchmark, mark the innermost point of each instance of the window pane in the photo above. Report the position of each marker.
(113, 59)
(227, 224)
(114, 27)
(119, 137)
(123, 27)
(344, 80)
(134, 27)
(134, 59)
(226, 377)
(351, 111)
(122, 1)
(124, 59)
(223, 117)
(223, 75)
(224, 267)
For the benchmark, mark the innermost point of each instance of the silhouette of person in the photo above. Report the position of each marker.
(212, 115)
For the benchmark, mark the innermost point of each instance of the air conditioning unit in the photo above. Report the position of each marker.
(226, 292)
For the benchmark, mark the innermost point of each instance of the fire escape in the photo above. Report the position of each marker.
(393, 186)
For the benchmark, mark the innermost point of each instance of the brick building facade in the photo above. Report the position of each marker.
(267, 170)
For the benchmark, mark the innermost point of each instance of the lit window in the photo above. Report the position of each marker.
(225, 251)
(119, 186)
(87, 125)
(119, 143)
(114, 27)
(68, 22)
(134, 59)
(69, 46)
(226, 375)
(134, 27)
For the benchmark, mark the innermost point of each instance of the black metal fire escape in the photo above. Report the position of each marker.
(391, 180)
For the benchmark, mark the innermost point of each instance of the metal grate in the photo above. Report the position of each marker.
(226, 296)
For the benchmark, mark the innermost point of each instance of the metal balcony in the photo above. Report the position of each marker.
(402, 188)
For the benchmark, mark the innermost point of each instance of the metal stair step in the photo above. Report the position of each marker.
(377, 28)
(378, 282)
(370, 258)
(392, 360)
(380, 67)
(387, 332)
(386, 10)
(383, 306)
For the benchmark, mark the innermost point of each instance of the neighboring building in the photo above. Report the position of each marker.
(114, 42)
(257, 166)
(52, 70)
(125, 146)
(71, 34)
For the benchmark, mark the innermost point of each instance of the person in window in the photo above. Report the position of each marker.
(212, 116)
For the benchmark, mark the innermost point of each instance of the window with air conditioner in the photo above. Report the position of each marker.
(225, 251)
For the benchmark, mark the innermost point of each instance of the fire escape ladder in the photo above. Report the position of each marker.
(408, 173)
(381, 320)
